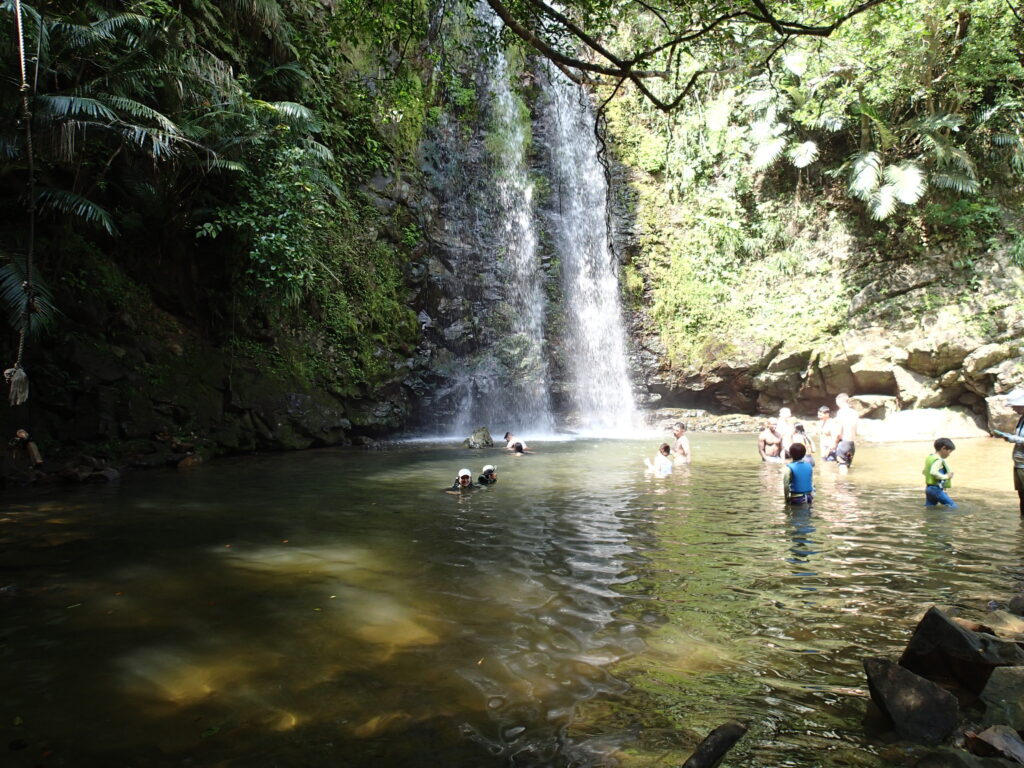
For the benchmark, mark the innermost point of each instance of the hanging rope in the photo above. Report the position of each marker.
(15, 376)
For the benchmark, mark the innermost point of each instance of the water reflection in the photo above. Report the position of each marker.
(307, 609)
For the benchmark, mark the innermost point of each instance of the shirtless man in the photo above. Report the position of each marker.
(769, 444)
(681, 448)
(826, 434)
(846, 431)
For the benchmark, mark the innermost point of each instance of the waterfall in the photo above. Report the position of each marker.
(508, 385)
(593, 342)
(506, 344)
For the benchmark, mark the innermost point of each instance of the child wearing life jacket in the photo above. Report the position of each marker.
(937, 474)
(798, 479)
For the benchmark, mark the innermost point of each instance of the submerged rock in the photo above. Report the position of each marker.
(916, 708)
(712, 749)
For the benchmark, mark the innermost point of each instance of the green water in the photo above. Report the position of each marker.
(336, 608)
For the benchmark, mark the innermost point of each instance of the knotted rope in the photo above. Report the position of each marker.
(15, 376)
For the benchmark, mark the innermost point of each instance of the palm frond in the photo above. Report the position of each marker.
(795, 62)
(885, 134)
(123, 22)
(767, 153)
(266, 13)
(906, 181)
(14, 298)
(295, 115)
(865, 174)
(957, 182)
(139, 110)
(70, 203)
(317, 150)
(759, 98)
(830, 123)
(62, 106)
(882, 203)
(803, 154)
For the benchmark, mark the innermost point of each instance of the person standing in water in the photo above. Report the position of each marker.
(769, 444)
(826, 434)
(937, 474)
(847, 420)
(1016, 401)
(681, 448)
(798, 479)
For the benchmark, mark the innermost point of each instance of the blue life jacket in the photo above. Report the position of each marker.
(800, 479)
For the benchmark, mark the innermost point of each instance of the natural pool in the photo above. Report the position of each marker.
(335, 608)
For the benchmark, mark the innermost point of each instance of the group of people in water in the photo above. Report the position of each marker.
(786, 441)
(489, 474)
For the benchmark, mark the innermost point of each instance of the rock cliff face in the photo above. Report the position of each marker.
(937, 360)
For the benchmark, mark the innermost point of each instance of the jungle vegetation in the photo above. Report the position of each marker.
(207, 158)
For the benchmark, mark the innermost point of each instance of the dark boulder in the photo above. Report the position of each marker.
(918, 709)
(1017, 604)
(1003, 698)
(944, 651)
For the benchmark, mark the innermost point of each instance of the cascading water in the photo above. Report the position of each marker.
(493, 310)
(523, 350)
(498, 351)
(593, 341)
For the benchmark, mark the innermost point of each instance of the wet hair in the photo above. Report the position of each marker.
(507, 435)
(944, 442)
(664, 449)
(797, 451)
(680, 426)
(517, 448)
(799, 428)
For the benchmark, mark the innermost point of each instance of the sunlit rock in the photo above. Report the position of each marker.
(925, 424)
(874, 406)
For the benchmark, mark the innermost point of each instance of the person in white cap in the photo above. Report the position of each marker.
(463, 482)
(489, 475)
(1016, 401)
